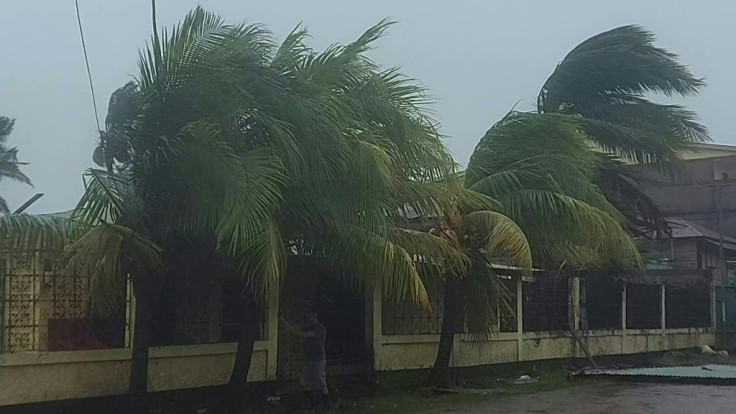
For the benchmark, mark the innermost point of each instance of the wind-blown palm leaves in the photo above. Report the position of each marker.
(263, 151)
(9, 164)
(541, 170)
(605, 82)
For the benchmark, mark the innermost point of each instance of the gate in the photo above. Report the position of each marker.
(340, 308)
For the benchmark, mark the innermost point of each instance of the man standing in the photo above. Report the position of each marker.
(314, 376)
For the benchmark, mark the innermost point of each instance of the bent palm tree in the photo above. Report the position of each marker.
(258, 151)
(568, 199)
(540, 171)
(9, 164)
(604, 81)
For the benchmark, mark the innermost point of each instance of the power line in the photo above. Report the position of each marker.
(86, 62)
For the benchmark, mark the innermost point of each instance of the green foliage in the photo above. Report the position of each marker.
(9, 164)
(604, 82)
(259, 151)
(539, 167)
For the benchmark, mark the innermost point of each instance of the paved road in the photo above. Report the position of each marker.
(610, 398)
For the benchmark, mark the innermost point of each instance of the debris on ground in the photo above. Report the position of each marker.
(712, 373)
(525, 379)
(706, 350)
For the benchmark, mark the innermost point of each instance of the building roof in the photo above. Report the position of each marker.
(682, 229)
(707, 150)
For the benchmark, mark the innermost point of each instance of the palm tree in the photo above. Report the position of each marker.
(177, 165)
(540, 172)
(259, 152)
(570, 201)
(9, 164)
(486, 237)
(343, 206)
(605, 81)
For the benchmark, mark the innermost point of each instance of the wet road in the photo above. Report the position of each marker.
(609, 398)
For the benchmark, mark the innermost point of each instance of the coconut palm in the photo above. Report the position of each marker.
(605, 81)
(9, 164)
(541, 172)
(571, 201)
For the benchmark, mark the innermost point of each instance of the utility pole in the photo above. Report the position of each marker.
(722, 275)
(721, 259)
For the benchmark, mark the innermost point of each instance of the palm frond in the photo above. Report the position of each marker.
(105, 254)
(25, 232)
(106, 199)
(9, 164)
(248, 206)
(621, 61)
(374, 258)
(499, 237)
(604, 80)
(263, 261)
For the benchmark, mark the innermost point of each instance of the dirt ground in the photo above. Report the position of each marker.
(610, 398)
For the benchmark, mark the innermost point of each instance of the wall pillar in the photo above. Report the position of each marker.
(573, 302)
(519, 319)
(623, 319)
(713, 319)
(373, 322)
(272, 332)
(663, 311)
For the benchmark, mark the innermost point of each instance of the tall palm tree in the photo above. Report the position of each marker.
(9, 164)
(606, 81)
(572, 201)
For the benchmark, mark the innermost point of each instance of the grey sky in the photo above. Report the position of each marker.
(478, 58)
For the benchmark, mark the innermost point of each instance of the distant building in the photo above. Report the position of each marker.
(699, 193)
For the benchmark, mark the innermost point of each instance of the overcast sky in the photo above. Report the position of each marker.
(478, 58)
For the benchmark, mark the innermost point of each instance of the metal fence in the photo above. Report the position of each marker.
(406, 318)
(43, 310)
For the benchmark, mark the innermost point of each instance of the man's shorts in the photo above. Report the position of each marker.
(314, 376)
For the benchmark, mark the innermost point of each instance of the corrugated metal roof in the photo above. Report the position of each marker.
(682, 229)
(711, 371)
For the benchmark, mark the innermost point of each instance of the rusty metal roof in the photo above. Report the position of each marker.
(718, 373)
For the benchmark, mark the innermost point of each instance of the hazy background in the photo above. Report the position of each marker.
(478, 58)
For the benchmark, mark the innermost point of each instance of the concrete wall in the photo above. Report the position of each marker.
(31, 377)
(399, 352)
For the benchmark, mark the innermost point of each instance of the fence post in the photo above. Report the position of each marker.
(573, 321)
(713, 318)
(663, 311)
(574, 303)
(519, 319)
(623, 319)
(373, 326)
(3, 270)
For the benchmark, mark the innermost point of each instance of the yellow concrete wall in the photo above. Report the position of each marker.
(399, 352)
(407, 355)
(469, 353)
(31, 377)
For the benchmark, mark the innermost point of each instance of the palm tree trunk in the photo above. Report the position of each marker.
(249, 329)
(138, 381)
(439, 375)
